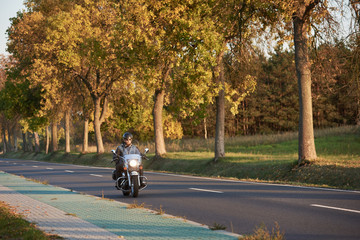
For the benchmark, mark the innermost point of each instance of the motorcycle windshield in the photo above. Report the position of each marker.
(129, 157)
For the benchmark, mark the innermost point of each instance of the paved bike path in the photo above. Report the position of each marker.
(73, 215)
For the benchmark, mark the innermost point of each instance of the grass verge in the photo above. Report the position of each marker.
(13, 226)
(262, 233)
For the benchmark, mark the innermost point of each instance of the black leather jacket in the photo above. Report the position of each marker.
(122, 150)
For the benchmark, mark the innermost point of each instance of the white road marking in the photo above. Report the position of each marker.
(95, 175)
(255, 183)
(49, 168)
(35, 166)
(69, 171)
(335, 208)
(205, 190)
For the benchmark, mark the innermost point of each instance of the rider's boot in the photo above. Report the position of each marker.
(142, 184)
(115, 177)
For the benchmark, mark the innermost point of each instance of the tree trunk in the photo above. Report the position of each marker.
(54, 140)
(97, 125)
(356, 59)
(29, 143)
(306, 129)
(220, 126)
(37, 142)
(205, 129)
(86, 135)
(357, 92)
(9, 147)
(4, 140)
(14, 131)
(67, 131)
(25, 149)
(358, 113)
(220, 110)
(47, 140)
(158, 123)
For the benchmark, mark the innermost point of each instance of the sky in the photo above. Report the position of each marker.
(8, 9)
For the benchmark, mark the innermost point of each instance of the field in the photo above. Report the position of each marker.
(270, 158)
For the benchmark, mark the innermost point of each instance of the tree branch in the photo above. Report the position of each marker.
(85, 81)
(309, 8)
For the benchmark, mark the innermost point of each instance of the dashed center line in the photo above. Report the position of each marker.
(205, 190)
(335, 208)
(49, 168)
(96, 175)
(35, 166)
(69, 171)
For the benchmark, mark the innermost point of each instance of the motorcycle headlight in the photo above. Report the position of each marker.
(133, 163)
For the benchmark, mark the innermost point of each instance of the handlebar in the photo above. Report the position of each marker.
(144, 156)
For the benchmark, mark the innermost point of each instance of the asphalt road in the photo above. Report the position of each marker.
(301, 213)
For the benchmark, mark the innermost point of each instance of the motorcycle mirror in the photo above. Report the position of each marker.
(113, 151)
(146, 150)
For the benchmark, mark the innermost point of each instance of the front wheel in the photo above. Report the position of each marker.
(134, 186)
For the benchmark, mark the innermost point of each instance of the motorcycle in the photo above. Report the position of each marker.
(131, 181)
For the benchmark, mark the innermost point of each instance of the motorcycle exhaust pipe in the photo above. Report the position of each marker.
(144, 182)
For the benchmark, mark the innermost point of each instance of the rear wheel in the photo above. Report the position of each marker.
(134, 186)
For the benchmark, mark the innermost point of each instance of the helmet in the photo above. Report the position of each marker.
(127, 135)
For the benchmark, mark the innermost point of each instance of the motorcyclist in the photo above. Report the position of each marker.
(126, 147)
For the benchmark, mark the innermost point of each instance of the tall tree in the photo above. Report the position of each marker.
(309, 18)
(355, 57)
(4, 61)
(220, 107)
(237, 22)
(25, 33)
(168, 32)
(82, 43)
(301, 21)
(18, 100)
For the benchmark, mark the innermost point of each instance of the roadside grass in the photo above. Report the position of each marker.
(262, 233)
(217, 226)
(89, 159)
(135, 205)
(266, 158)
(13, 226)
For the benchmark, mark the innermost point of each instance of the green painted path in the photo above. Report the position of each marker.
(95, 217)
